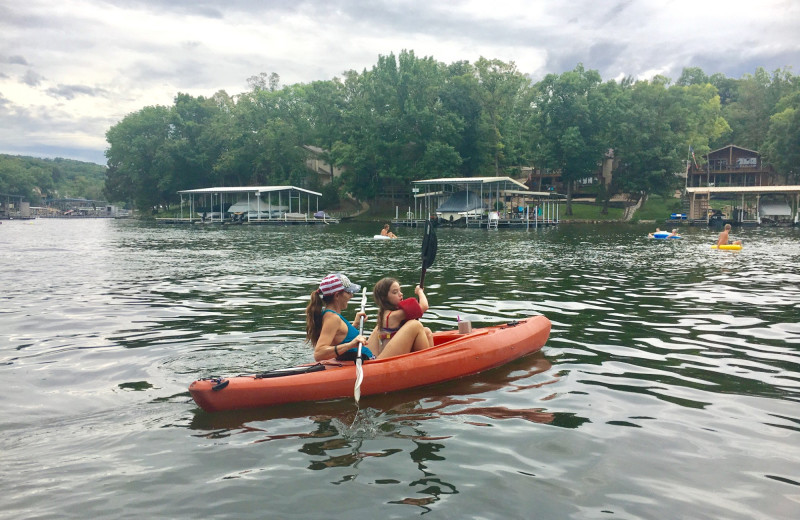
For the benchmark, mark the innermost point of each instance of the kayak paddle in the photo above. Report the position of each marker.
(429, 246)
(359, 370)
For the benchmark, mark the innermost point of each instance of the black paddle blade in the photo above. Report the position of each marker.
(429, 245)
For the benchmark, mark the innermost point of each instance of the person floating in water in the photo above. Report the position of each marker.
(385, 232)
(724, 238)
(653, 234)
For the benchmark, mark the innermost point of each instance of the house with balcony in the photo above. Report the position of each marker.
(731, 166)
(748, 188)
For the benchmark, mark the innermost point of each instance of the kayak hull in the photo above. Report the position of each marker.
(453, 356)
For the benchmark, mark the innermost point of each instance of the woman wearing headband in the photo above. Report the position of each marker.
(331, 335)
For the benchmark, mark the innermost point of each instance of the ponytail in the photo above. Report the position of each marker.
(314, 315)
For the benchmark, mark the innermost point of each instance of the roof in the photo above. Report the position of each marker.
(795, 189)
(732, 146)
(248, 189)
(471, 180)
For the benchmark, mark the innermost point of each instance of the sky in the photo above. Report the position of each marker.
(70, 70)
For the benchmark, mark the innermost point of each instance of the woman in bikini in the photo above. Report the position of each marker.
(399, 330)
(331, 335)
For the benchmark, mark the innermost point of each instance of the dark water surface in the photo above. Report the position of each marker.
(669, 387)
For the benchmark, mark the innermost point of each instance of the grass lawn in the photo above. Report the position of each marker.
(588, 212)
(658, 208)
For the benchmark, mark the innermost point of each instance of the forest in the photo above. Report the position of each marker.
(409, 118)
(38, 180)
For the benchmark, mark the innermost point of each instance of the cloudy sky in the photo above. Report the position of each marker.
(71, 69)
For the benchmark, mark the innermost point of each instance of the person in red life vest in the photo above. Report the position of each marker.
(399, 330)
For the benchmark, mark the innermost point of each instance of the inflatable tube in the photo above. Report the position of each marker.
(661, 235)
(381, 237)
(728, 247)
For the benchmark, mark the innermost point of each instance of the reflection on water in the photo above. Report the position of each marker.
(336, 434)
(669, 385)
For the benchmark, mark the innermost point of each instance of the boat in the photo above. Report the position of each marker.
(453, 356)
(728, 247)
(460, 205)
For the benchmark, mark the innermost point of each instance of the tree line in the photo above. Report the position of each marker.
(410, 118)
(38, 180)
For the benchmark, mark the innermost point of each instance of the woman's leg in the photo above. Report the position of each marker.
(411, 336)
(429, 336)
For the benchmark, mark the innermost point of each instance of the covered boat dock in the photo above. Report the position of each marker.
(489, 202)
(748, 208)
(250, 205)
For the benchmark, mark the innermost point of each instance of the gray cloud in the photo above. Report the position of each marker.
(16, 60)
(108, 59)
(31, 78)
(71, 91)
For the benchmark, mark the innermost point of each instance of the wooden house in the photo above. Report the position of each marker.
(730, 166)
(754, 193)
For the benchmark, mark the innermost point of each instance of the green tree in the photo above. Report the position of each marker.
(266, 131)
(756, 99)
(782, 146)
(572, 138)
(647, 147)
(138, 158)
(326, 105)
(659, 123)
(193, 148)
(396, 127)
(461, 98)
(692, 76)
(503, 91)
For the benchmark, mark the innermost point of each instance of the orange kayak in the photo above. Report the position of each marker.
(453, 355)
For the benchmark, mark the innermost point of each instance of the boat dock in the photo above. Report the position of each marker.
(484, 222)
(286, 219)
(480, 202)
(249, 205)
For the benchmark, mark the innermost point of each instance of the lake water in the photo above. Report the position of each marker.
(669, 386)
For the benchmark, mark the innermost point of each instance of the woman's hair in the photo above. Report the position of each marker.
(381, 296)
(314, 315)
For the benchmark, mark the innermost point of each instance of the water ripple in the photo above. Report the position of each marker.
(669, 386)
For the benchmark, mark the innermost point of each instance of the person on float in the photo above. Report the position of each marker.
(385, 232)
(723, 238)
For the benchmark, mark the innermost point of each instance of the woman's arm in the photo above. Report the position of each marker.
(357, 320)
(326, 344)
